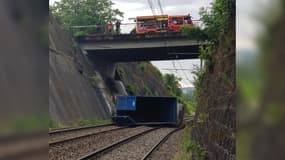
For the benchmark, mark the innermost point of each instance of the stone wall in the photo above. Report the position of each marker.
(215, 119)
(72, 95)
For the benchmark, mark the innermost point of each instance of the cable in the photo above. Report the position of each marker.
(184, 73)
(171, 69)
(176, 71)
(160, 7)
(151, 7)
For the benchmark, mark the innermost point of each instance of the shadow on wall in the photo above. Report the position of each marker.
(72, 95)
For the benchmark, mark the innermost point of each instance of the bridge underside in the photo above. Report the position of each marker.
(145, 54)
(128, 48)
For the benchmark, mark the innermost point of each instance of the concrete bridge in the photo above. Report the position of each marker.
(128, 47)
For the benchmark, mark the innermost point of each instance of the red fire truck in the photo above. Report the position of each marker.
(161, 23)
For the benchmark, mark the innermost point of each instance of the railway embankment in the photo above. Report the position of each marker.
(72, 96)
(81, 88)
(79, 147)
(215, 119)
(114, 142)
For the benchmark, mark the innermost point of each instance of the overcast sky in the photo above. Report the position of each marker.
(247, 27)
(133, 8)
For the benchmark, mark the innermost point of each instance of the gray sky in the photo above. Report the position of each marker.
(133, 8)
(247, 26)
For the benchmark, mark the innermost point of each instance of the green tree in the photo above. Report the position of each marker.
(216, 20)
(83, 13)
(172, 84)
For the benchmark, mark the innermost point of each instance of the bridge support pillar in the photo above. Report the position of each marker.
(107, 70)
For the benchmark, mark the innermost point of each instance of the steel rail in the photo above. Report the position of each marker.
(83, 136)
(115, 144)
(163, 140)
(78, 128)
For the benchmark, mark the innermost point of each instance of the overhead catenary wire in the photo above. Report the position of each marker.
(178, 74)
(171, 69)
(160, 7)
(175, 70)
(151, 7)
(183, 71)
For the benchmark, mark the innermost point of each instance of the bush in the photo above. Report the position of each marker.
(121, 71)
(147, 91)
(95, 78)
(172, 84)
(189, 149)
(195, 33)
(143, 66)
(132, 89)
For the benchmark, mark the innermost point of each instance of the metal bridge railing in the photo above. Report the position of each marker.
(125, 28)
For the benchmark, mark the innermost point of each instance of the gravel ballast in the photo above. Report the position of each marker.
(136, 149)
(168, 149)
(75, 149)
(55, 137)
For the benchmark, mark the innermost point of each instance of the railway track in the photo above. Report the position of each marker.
(64, 135)
(79, 146)
(149, 154)
(137, 147)
(101, 142)
(188, 119)
(55, 131)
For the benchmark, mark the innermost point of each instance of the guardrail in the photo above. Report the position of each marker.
(124, 27)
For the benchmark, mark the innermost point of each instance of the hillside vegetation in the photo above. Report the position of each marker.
(82, 89)
(144, 79)
(215, 120)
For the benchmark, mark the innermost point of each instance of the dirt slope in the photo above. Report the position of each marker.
(141, 78)
(83, 88)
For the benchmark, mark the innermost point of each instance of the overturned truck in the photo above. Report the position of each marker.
(142, 110)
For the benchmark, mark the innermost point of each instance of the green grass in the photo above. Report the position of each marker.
(24, 123)
(85, 122)
(183, 153)
(78, 123)
(189, 149)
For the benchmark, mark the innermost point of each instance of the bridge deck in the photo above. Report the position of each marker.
(145, 47)
(130, 37)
